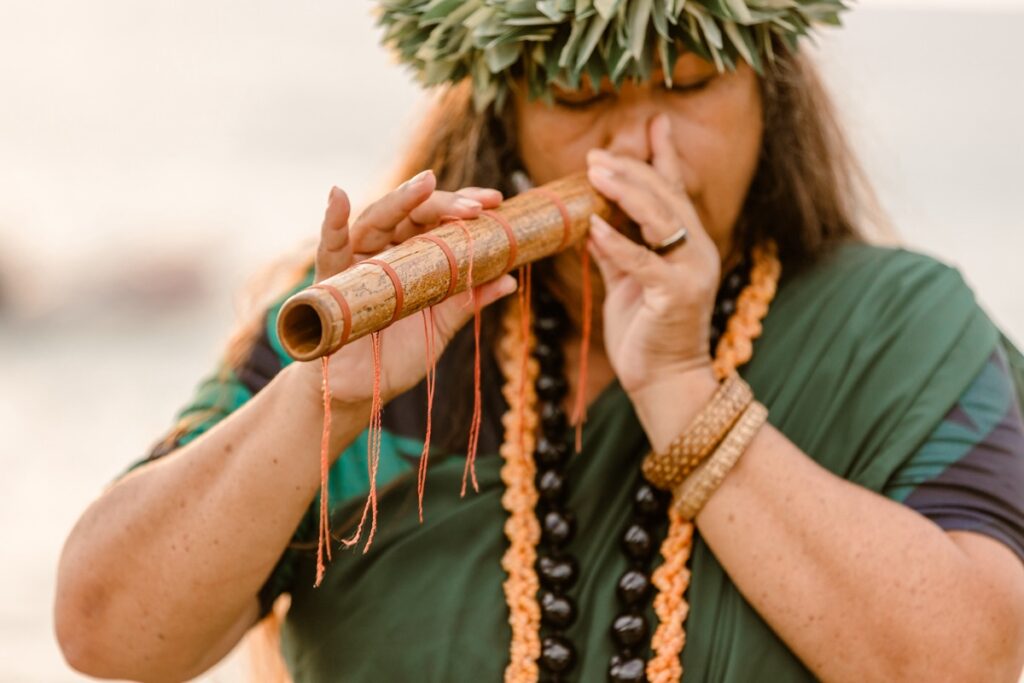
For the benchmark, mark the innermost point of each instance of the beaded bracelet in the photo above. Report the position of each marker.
(688, 450)
(694, 492)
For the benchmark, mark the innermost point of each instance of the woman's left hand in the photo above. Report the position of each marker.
(657, 308)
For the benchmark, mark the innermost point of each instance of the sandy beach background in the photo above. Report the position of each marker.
(154, 155)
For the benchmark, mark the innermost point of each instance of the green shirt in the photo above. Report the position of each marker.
(861, 358)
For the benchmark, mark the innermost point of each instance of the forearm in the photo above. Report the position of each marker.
(858, 586)
(170, 559)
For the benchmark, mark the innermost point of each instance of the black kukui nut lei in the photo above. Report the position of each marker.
(556, 568)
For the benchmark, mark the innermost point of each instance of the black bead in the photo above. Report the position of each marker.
(558, 572)
(549, 356)
(552, 387)
(633, 586)
(632, 670)
(557, 654)
(733, 283)
(557, 611)
(558, 527)
(648, 501)
(551, 453)
(551, 486)
(637, 542)
(552, 417)
(549, 326)
(725, 307)
(547, 302)
(629, 630)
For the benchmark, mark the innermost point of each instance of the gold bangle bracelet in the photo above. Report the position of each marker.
(668, 470)
(689, 498)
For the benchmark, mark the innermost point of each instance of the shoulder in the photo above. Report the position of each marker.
(870, 287)
(865, 265)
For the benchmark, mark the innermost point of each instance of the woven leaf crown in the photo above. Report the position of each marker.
(557, 41)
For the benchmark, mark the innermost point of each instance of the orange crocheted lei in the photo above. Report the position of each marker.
(522, 529)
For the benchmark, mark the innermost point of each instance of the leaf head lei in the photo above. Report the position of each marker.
(547, 42)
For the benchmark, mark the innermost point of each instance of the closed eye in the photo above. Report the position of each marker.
(571, 102)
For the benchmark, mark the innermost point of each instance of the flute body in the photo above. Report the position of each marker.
(428, 268)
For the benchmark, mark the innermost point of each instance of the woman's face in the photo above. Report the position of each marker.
(716, 125)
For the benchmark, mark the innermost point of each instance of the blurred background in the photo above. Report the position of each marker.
(153, 156)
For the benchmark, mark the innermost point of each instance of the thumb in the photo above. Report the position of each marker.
(334, 254)
(453, 313)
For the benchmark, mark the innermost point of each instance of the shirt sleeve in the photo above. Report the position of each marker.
(218, 395)
(969, 474)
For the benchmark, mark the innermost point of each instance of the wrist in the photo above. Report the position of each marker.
(305, 387)
(667, 405)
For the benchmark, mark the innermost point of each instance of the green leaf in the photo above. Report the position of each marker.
(606, 8)
(639, 16)
(594, 32)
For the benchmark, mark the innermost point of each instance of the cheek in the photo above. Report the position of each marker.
(719, 140)
(553, 143)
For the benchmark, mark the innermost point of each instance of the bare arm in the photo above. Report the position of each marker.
(860, 587)
(158, 580)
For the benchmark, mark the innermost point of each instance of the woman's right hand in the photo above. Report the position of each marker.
(412, 208)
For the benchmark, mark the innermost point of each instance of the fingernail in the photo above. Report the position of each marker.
(600, 153)
(468, 203)
(417, 179)
(602, 172)
(508, 284)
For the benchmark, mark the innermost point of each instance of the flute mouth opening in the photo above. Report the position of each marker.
(301, 329)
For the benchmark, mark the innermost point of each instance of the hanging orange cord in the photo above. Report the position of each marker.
(324, 541)
(428, 343)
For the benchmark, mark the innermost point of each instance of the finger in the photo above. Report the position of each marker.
(656, 218)
(638, 173)
(629, 258)
(334, 254)
(429, 214)
(664, 156)
(454, 312)
(489, 197)
(610, 273)
(375, 227)
(466, 203)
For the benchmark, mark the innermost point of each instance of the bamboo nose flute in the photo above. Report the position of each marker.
(430, 267)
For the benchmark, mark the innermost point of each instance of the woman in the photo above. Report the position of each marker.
(872, 531)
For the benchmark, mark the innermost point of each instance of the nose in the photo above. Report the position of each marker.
(628, 125)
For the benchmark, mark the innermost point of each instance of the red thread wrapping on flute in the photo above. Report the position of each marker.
(579, 413)
(562, 209)
(453, 264)
(429, 325)
(346, 312)
(324, 540)
(396, 283)
(513, 247)
(373, 441)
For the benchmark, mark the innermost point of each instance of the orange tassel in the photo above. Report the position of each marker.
(524, 294)
(428, 339)
(324, 540)
(469, 473)
(373, 440)
(579, 413)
